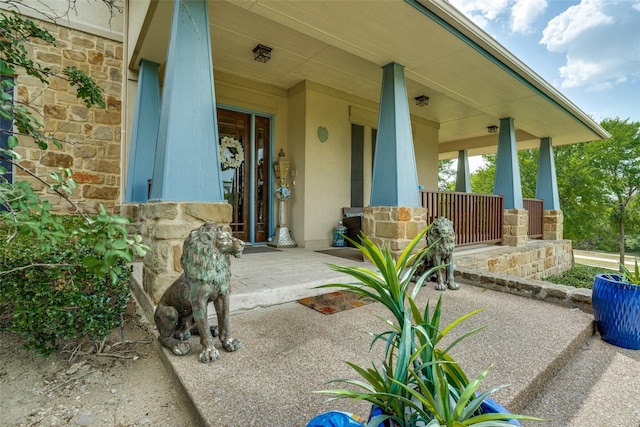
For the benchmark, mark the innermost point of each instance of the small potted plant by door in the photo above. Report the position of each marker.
(616, 307)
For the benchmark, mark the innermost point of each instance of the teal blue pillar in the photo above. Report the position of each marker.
(187, 163)
(144, 134)
(395, 179)
(463, 179)
(507, 179)
(547, 182)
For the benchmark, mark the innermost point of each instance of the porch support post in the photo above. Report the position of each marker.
(507, 182)
(187, 162)
(395, 179)
(507, 179)
(395, 215)
(463, 180)
(547, 189)
(144, 135)
(547, 183)
(186, 187)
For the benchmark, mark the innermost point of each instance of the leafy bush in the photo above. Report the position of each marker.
(47, 295)
(60, 278)
(580, 276)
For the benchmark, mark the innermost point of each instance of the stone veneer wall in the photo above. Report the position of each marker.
(515, 227)
(91, 136)
(164, 226)
(536, 260)
(567, 296)
(553, 226)
(394, 226)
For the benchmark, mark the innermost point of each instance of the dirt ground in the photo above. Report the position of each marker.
(121, 385)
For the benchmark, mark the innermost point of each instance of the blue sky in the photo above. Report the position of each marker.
(587, 49)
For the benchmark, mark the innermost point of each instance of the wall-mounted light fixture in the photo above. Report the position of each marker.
(492, 129)
(422, 100)
(262, 53)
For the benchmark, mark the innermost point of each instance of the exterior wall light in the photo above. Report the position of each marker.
(492, 129)
(262, 53)
(422, 100)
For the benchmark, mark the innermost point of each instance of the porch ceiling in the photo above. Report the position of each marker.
(470, 79)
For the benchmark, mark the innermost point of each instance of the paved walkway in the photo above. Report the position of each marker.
(601, 259)
(282, 275)
(289, 351)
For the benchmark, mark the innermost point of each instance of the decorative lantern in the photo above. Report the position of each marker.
(282, 237)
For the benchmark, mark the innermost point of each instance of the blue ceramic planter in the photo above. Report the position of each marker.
(616, 308)
(493, 407)
(488, 406)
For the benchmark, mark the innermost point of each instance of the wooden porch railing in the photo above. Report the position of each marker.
(477, 218)
(536, 217)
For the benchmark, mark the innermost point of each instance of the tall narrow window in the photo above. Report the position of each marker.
(357, 166)
(6, 124)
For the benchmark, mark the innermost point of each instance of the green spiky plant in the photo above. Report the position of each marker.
(631, 276)
(417, 383)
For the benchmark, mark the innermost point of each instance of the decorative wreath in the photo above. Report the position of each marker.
(233, 146)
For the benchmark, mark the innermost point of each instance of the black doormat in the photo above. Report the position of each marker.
(346, 253)
(248, 250)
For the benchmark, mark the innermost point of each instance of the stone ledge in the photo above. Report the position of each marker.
(566, 296)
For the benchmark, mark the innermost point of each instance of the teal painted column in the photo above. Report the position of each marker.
(395, 179)
(144, 134)
(463, 179)
(547, 182)
(507, 179)
(187, 163)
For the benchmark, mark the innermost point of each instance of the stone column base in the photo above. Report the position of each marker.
(164, 226)
(515, 227)
(394, 226)
(553, 225)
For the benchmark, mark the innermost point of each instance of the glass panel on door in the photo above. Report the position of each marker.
(250, 203)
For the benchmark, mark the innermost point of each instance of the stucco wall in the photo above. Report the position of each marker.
(296, 154)
(87, 16)
(328, 166)
(425, 145)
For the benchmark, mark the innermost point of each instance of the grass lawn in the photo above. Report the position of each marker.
(580, 276)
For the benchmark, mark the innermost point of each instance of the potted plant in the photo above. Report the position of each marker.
(417, 383)
(616, 307)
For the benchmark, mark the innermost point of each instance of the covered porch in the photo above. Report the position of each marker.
(363, 99)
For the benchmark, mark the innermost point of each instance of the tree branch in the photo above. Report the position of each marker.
(58, 192)
(24, 267)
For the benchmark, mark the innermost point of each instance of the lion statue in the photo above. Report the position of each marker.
(205, 261)
(441, 239)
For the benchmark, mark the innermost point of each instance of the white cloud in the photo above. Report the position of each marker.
(570, 24)
(524, 13)
(482, 11)
(600, 41)
(520, 13)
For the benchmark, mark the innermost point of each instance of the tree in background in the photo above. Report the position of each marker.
(446, 175)
(614, 165)
(482, 179)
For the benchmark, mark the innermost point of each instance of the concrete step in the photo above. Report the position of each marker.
(289, 351)
(599, 386)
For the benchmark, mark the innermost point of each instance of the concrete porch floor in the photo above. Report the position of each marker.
(555, 367)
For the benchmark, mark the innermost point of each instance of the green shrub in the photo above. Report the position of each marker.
(48, 297)
(580, 276)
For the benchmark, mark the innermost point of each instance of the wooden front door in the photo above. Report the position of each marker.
(246, 186)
